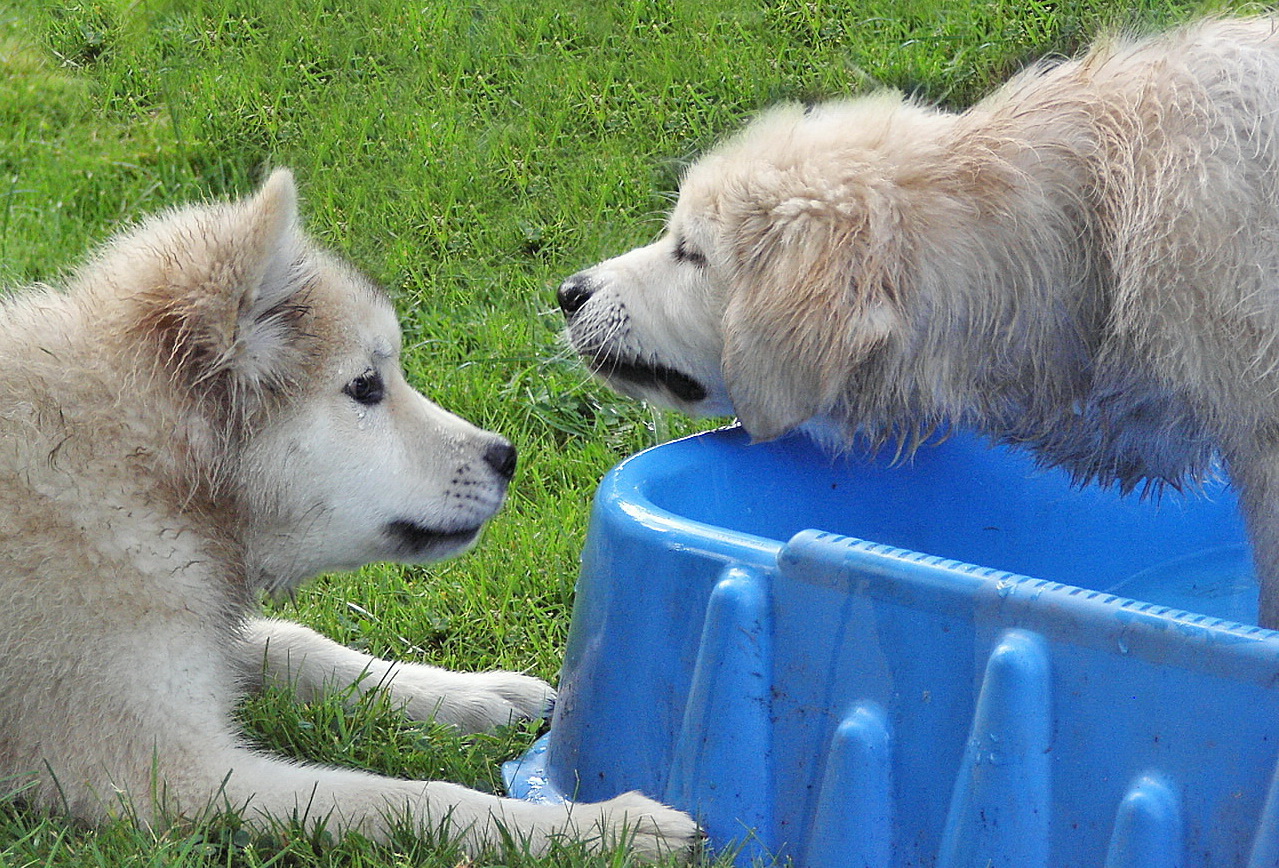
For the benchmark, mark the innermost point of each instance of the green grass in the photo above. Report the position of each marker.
(468, 155)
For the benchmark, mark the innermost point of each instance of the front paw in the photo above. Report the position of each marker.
(482, 701)
(650, 829)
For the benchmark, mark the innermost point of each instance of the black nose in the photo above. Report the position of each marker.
(574, 293)
(501, 457)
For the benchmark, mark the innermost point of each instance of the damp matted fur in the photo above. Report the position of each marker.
(1086, 264)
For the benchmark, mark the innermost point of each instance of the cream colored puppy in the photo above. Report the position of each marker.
(1086, 264)
(212, 408)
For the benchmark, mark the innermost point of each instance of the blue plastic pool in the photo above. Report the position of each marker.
(936, 663)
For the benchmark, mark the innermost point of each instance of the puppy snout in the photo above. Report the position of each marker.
(500, 456)
(575, 292)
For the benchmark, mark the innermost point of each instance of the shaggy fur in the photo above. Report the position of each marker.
(1086, 263)
(213, 408)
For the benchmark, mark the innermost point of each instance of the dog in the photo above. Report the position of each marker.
(1085, 263)
(214, 408)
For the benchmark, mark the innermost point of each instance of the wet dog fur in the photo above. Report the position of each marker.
(1086, 264)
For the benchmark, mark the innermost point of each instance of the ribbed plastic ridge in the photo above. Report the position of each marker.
(1147, 827)
(853, 822)
(723, 754)
(999, 814)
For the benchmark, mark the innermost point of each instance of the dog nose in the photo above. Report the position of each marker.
(574, 293)
(500, 456)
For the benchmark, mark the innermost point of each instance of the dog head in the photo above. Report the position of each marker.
(283, 365)
(781, 271)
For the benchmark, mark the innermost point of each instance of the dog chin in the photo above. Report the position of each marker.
(649, 381)
(416, 542)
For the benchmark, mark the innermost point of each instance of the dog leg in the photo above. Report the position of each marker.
(1263, 530)
(1255, 474)
(264, 789)
(282, 652)
(152, 734)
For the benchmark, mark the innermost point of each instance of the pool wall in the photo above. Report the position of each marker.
(857, 662)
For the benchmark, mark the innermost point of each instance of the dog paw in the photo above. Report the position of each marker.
(649, 829)
(476, 701)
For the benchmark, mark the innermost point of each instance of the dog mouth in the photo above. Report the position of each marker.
(648, 374)
(416, 540)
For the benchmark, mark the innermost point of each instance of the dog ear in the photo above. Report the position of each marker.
(221, 300)
(815, 293)
(276, 275)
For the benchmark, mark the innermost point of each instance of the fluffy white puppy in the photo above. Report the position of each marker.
(212, 408)
(1086, 264)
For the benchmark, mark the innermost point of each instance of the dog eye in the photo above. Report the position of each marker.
(684, 254)
(367, 388)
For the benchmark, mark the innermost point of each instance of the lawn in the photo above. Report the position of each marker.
(467, 155)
